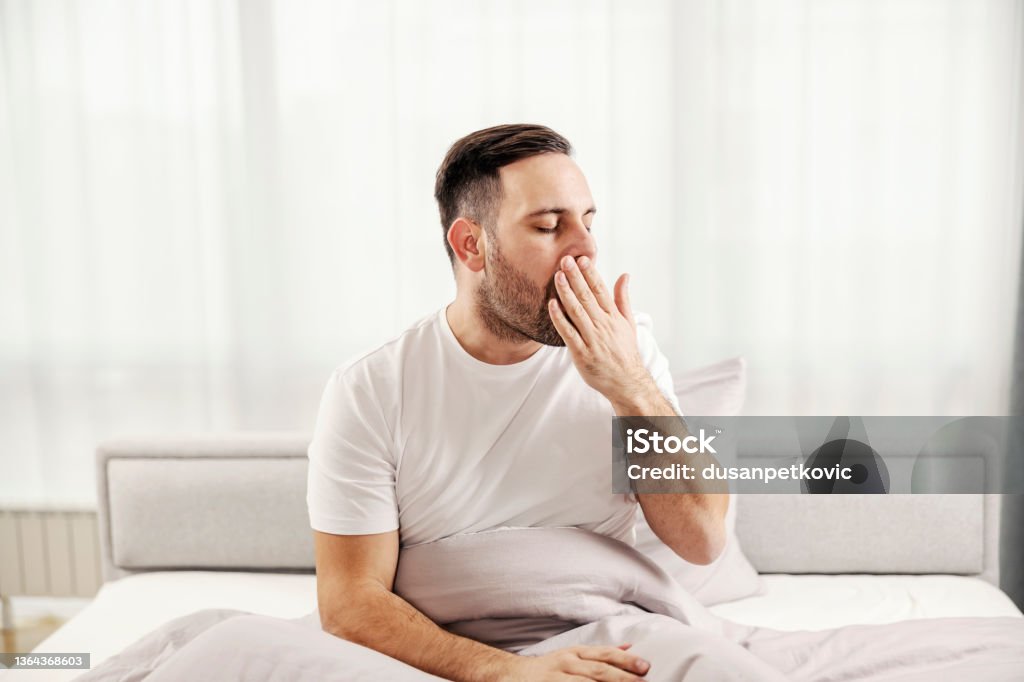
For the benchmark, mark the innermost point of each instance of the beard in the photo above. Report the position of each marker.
(512, 307)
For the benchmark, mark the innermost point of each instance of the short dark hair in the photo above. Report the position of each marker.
(467, 181)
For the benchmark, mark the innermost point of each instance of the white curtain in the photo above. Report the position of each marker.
(206, 206)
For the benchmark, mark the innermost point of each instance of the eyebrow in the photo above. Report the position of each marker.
(557, 211)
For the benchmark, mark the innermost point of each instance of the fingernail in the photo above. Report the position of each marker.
(568, 262)
(560, 277)
(584, 262)
(642, 666)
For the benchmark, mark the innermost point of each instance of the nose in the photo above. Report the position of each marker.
(581, 243)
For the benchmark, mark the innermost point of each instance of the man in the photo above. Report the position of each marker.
(494, 412)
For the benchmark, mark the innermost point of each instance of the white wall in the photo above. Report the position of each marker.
(205, 206)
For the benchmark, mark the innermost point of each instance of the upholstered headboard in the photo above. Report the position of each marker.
(238, 502)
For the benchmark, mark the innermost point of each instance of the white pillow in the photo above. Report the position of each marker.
(715, 390)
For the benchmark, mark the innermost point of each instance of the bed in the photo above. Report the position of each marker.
(220, 522)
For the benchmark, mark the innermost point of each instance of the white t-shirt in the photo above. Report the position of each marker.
(420, 436)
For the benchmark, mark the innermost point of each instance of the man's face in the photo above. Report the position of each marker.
(545, 214)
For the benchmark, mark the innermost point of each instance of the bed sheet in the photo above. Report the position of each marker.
(822, 602)
(126, 609)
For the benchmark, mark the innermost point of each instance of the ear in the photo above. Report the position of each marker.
(467, 241)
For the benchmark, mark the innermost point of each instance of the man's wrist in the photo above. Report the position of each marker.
(645, 400)
(502, 665)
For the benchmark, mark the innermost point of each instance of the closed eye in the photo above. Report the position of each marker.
(552, 229)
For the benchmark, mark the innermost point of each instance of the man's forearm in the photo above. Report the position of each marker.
(601, 334)
(692, 524)
(383, 621)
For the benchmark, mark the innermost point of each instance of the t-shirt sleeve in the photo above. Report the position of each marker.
(655, 360)
(351, 482)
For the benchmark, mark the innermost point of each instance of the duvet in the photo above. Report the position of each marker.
(534, 590)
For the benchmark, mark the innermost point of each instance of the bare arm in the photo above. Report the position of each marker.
(600, 333)
(692, 524)
(355, 578)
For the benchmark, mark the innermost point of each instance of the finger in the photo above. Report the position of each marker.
(617, 657)
(574, 310)
(595, 670)
(581, 287)
(601, 293)
(563, 326)
(622, 298)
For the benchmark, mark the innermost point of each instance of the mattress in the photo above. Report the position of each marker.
(126, 609)
(821, 602)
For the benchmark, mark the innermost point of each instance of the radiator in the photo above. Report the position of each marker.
(49, 553)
